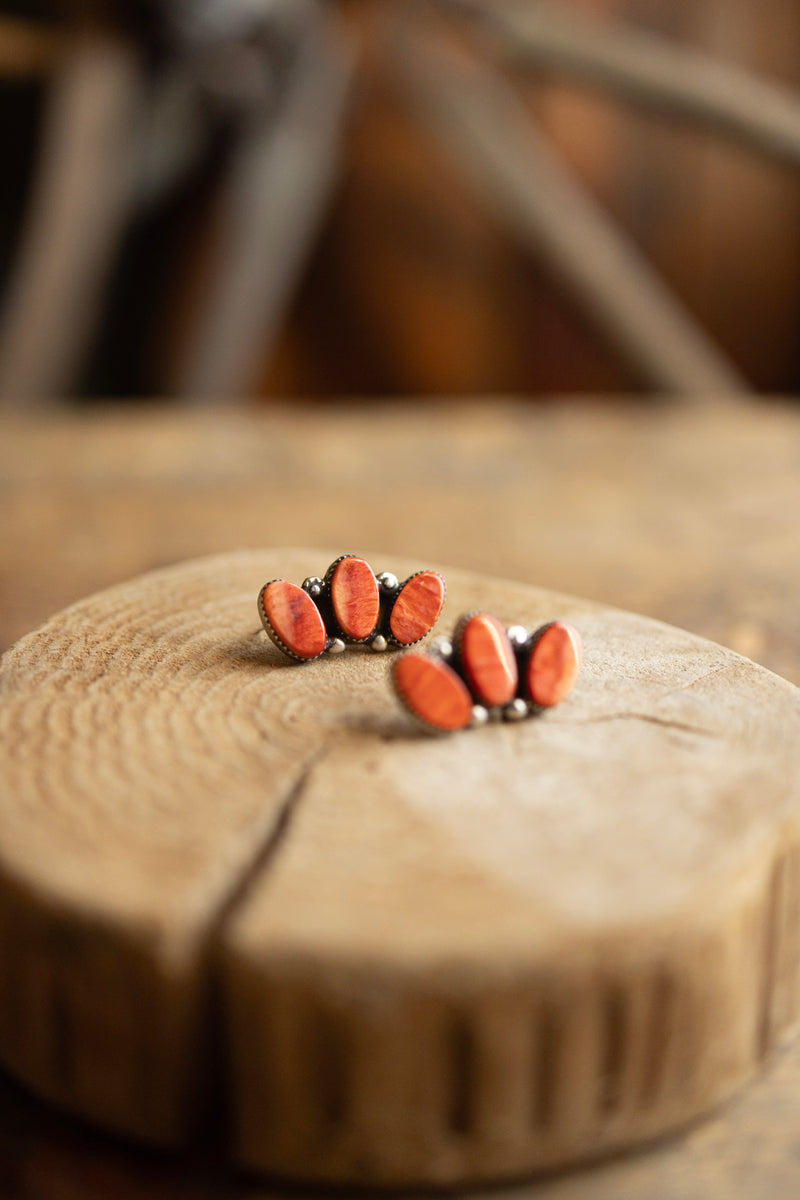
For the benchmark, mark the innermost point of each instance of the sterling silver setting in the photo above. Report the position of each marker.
(488, 673)
(380, 593)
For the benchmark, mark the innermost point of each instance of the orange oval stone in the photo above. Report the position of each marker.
(417, 607)
(554, 663)
(355, 597)
(432, 691)
(488, 660)
(292, 619)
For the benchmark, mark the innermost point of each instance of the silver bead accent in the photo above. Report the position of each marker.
(480, 715)
(336, 646)
(379, 643)
(517, 710)
(443, 647)
(517, 635)
(387, 581)
(313, 585)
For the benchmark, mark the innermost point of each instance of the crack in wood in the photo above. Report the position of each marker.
(615, 1047)
(215, 1082)
(267, 851)
(685, 687)
(461, 1052)
(331, 1058)
(651, 718)
(549, 1041)
(658, 1042)
(769, 973)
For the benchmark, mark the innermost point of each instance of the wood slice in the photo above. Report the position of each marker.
(388, 957)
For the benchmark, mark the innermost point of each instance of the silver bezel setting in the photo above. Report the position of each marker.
(518, 709)
(318, 590)
(273, 634)
(391, 639)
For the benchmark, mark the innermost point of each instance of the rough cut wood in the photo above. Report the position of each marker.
(418, 959)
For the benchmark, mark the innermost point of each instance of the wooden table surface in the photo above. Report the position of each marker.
(685, 513)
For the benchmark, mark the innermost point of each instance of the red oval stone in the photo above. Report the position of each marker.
(554, 663)
(417, 607)
(355, 597)
(433, 691)
(488, 661)
(292, 619)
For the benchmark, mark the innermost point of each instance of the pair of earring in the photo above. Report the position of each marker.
(485, 670)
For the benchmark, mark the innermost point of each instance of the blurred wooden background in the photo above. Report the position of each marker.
(409, 283)
(428, 293)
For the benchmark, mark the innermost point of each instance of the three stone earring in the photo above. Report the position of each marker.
(486, 671)
(349, 605)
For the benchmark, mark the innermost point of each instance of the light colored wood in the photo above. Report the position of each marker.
(128, 819)
(690, 517)
(687, 516)
(418, 960)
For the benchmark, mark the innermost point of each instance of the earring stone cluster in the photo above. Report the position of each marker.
(486, 671)
(350, 605)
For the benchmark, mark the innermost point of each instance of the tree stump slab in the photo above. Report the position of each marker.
(237, 884)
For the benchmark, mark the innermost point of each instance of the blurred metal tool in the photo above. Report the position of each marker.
(75, 220)
(647, 70)
(126, 123)
(274, 75)
(278, 183)
(482, 123)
